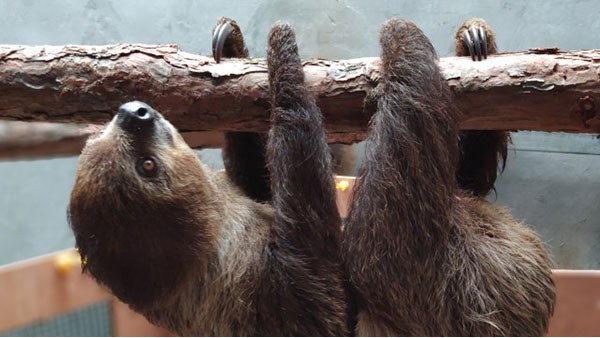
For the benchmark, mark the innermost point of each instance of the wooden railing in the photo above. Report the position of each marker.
(39, 289)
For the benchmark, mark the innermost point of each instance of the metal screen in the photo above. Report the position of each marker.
(94, 320)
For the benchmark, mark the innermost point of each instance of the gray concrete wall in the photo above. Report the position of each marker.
(551, 180)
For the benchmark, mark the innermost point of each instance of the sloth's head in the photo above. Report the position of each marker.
(140, 207)
(138, 160)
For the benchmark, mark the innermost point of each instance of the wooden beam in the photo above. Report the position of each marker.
(34, 140)
(28, 140)
(23, 140)
(86, 84)
(577, 303)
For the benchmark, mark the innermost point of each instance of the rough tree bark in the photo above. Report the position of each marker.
(85, 84)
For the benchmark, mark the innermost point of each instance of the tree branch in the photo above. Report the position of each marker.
(86, 84)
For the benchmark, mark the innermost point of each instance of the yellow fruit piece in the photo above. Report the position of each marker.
(342, 185)
(66, 261)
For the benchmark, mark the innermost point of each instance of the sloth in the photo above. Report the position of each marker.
(188, 249)
(480, 149)
(244, 152)
(423, 256)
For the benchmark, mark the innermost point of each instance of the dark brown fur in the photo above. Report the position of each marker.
(480, 150)
(234, 46)
(244, 152)
(425, 258)
(191, 252)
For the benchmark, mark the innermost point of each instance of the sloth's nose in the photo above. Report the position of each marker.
(135, 116)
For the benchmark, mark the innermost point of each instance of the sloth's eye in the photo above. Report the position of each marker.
(147, 167)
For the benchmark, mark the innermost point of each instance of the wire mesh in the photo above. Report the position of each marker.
(91, 321)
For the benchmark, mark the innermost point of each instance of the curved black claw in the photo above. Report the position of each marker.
(220, 35)
(484, 43)
(469, 43)
(476, 41)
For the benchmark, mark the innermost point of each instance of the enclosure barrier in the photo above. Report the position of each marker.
(38, 295)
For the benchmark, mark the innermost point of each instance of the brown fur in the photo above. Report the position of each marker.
(425, 258)
(190, 251)
(460, 46)
(480, 150)
(244, 152)
(234, 46)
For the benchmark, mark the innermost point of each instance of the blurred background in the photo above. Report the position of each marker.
(551, 180)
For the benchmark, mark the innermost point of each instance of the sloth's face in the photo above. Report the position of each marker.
(140, 152)
(136, 167)
(139, 203)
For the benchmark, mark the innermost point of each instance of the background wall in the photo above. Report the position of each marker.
(551, 180)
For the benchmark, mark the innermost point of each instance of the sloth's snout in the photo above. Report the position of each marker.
(136, 116)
